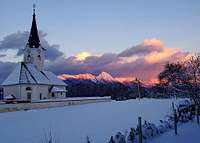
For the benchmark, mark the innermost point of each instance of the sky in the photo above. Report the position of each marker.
(93, 28)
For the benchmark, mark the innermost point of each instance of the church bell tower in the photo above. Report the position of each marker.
(34, 52)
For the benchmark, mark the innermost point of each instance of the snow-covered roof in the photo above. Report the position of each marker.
(28, 74)
(13, 78)
(53, 78)
(58, 89)
(9, 97)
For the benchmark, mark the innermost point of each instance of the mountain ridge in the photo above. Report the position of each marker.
(105, 77)
(102, 77)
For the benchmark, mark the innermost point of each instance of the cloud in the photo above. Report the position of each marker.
(17, 41)
(148, 46)
(82, 55)
(163, 55)
(5, 69)
(145, 61)
(14, 41)
(91, 64)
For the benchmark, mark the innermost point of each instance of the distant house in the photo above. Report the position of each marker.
(29, 80)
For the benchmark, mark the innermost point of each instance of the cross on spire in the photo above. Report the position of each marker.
(34, 41)
(34, 8)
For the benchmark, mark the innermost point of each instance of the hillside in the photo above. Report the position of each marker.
(101, 85)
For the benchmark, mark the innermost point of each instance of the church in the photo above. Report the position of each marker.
(29, 81)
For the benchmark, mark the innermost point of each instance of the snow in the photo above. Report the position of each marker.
(104, 76)
(13, 78)
(108, 98)
(25, 76)
(53, 78)
(57, 89)
(39, 77)
(187, 133)
(8, 97)
(27, 73)
(73, 123)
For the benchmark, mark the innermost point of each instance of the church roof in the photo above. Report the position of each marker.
(28, 74)
(58, 89)
(34, 41)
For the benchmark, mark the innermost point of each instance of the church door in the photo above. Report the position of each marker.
(28, 96)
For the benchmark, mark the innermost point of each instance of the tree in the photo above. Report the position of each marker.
(193, 72)
(183, 78)
(174, 78)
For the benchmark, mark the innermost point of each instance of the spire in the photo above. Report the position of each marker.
(34, 41)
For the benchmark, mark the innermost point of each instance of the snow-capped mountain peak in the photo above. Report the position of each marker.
(86, 76)
(104, 76)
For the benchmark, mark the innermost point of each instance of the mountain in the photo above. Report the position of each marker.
(86, 76)
(91, 85)
(125, 80)
(82, 85)
(103, 77)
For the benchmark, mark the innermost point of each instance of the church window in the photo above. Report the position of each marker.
(39, 57)
(28, 57)
(28, 89)
(40, 96)
(53, 95)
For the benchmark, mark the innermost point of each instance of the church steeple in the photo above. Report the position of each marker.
(34, 41)
(34, 53)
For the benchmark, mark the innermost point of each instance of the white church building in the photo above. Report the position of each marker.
(29, 81)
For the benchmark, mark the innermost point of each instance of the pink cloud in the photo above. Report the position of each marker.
(145, 61)
(152, 42)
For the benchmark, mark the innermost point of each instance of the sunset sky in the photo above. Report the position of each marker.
(123, 37)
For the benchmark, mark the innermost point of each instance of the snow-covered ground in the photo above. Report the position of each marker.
(187, 133)
(72, 124)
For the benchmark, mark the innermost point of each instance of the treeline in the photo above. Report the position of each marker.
(117, 90)
(180, 79)
(87, 88)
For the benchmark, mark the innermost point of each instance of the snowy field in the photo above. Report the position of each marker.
(187, 133)
(72, 124)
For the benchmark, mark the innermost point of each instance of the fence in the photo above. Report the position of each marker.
(181, 114)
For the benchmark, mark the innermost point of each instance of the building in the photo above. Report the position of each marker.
(29, 80)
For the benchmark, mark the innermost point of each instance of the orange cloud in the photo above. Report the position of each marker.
(144, 61)
(152, 42)
(160, 56)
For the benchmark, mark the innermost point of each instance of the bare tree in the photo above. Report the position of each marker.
(193, 72)
(173, 78)
(183, 78)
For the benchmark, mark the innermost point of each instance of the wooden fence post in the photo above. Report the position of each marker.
(197, 113)
(173, 107)
(140, 129)
(175, 122)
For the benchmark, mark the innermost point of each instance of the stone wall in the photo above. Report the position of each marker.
(51, 103)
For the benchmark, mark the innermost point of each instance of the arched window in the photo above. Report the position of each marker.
(28, 89)
(39, 57)
(29, 57)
